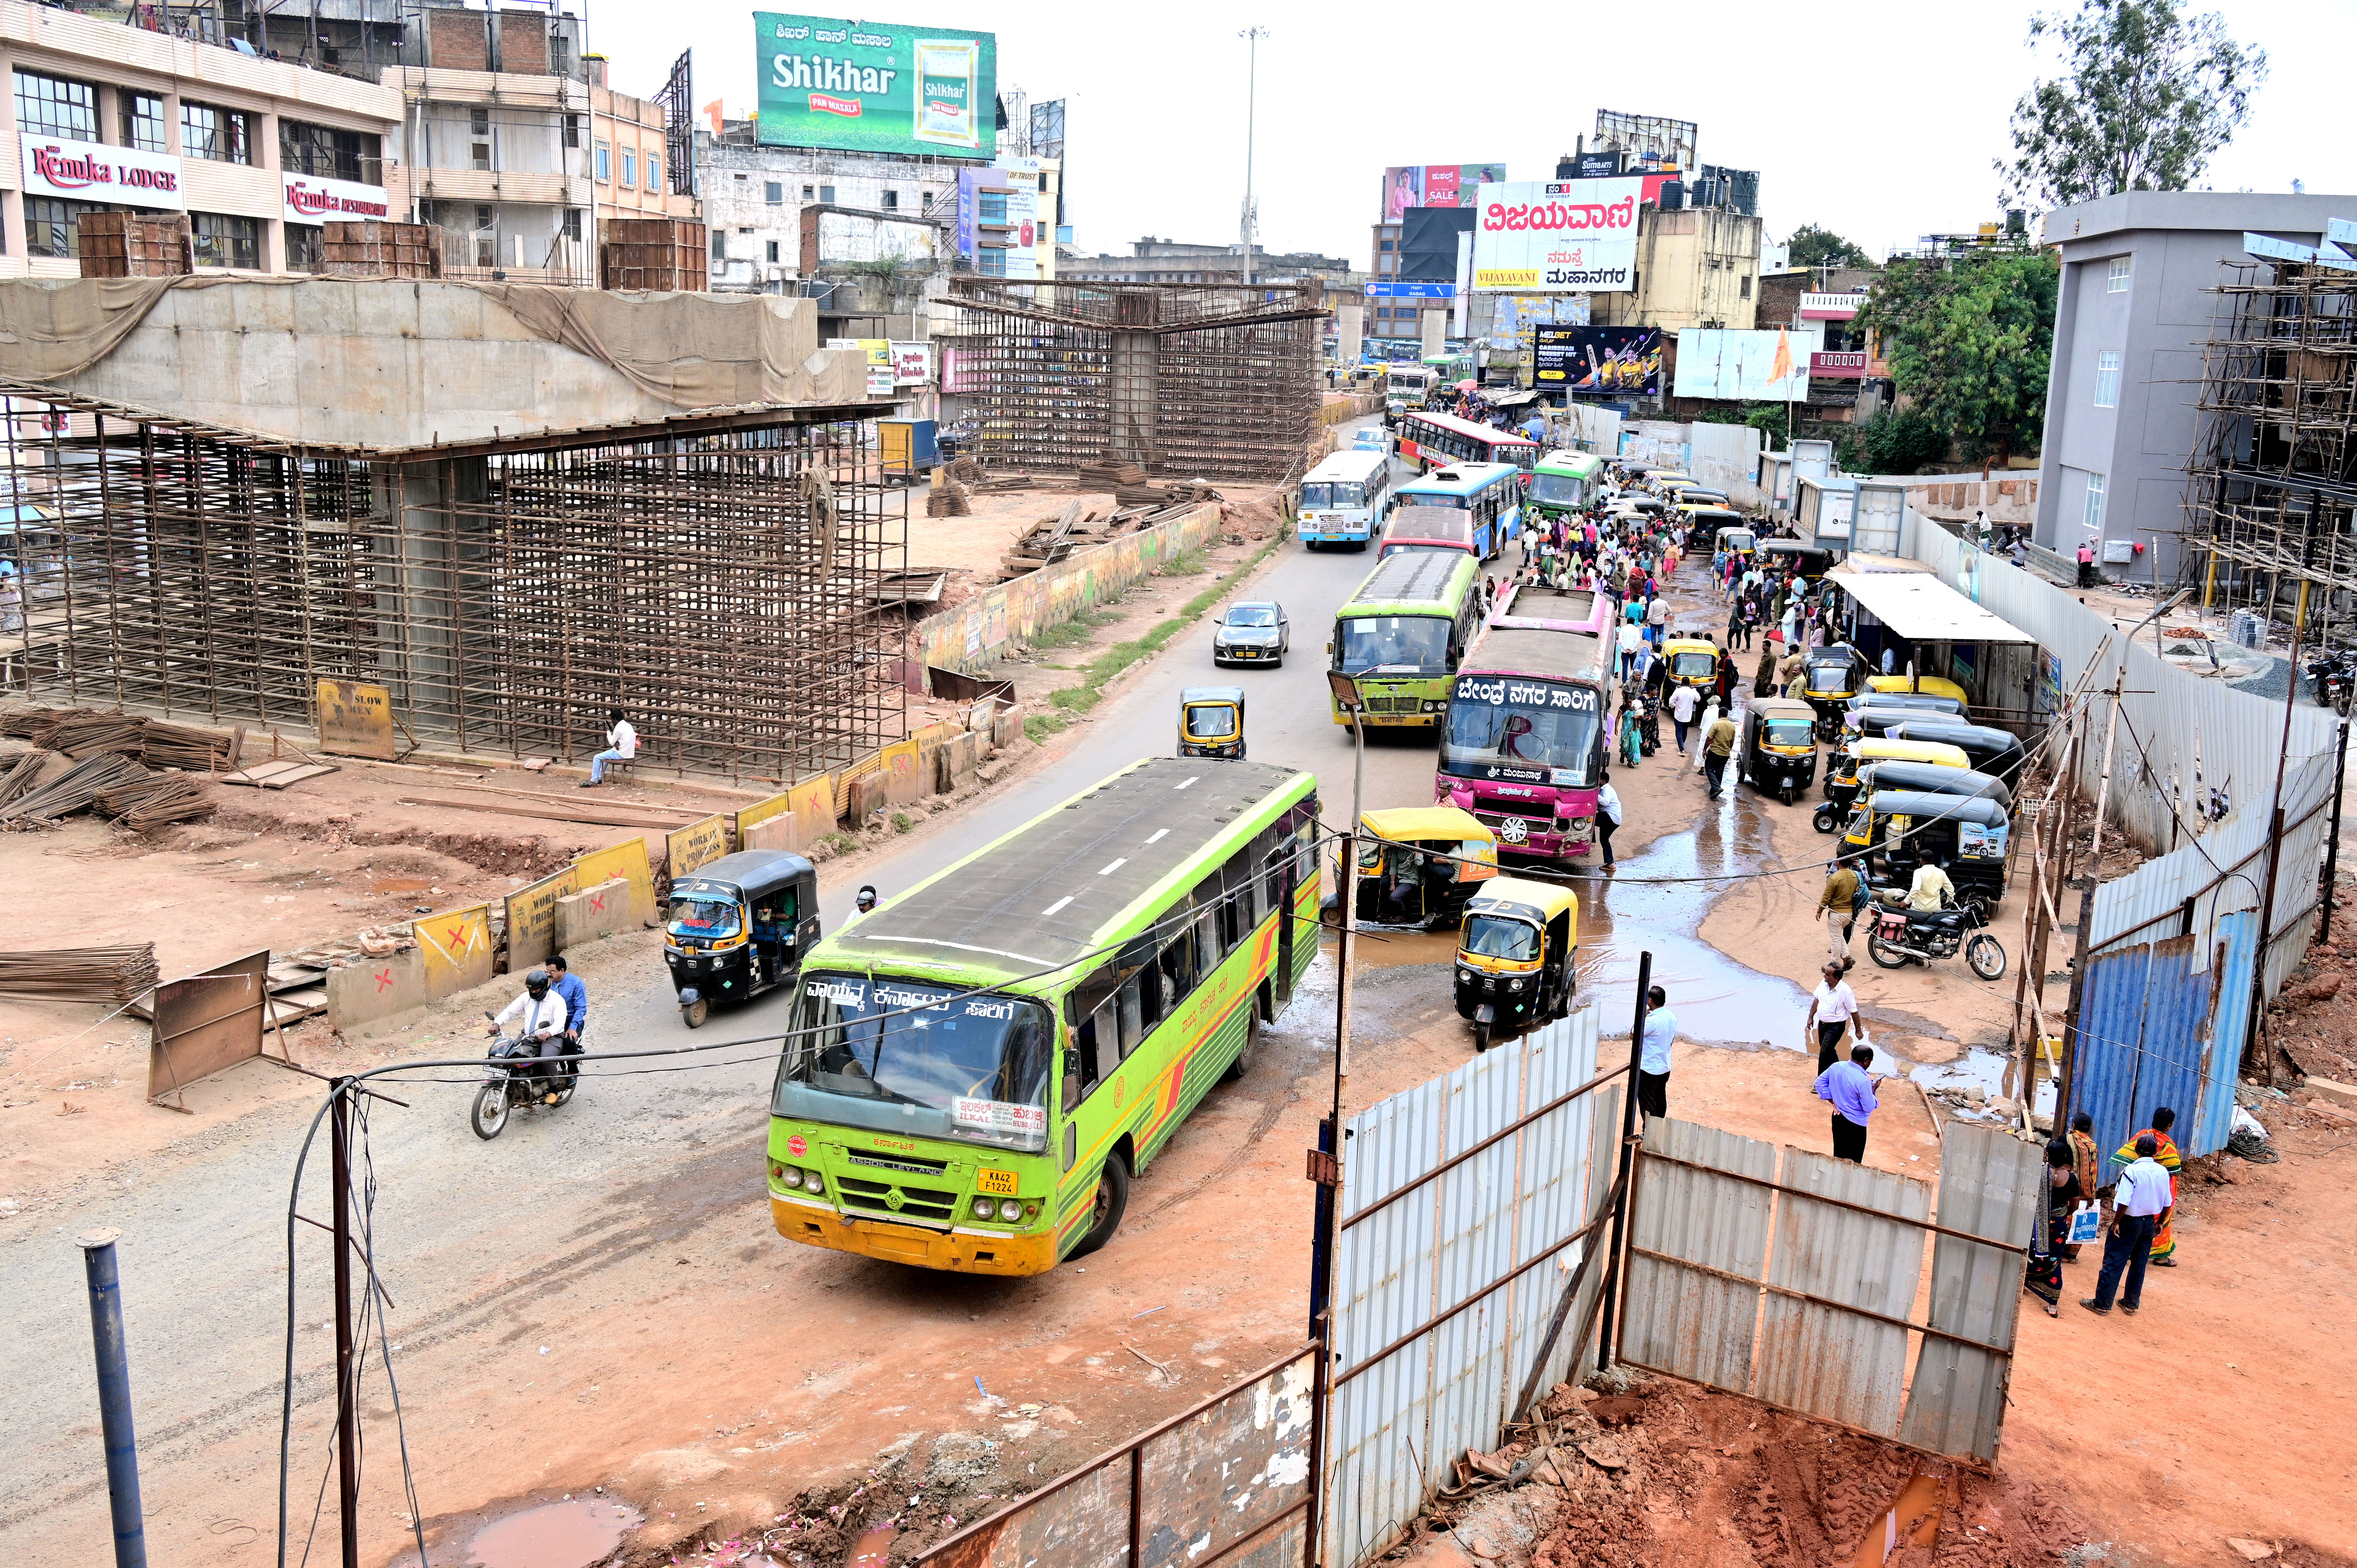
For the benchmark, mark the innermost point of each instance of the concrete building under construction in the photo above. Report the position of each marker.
(515, 506)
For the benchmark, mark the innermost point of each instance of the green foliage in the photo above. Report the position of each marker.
(1896, 443)
(2149, 97)
(1038, 727)
(1768, 418)
(902, 822)
(1815, 247)
(1969, 341)
(1076, 629)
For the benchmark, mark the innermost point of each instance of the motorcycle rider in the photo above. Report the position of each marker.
(865, 903)
(567, 985)
(541, 1014)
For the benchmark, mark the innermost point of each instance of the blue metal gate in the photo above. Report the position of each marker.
(2154, 1030)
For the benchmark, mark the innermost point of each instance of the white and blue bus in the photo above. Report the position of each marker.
(1343, 499)
(1491, 493)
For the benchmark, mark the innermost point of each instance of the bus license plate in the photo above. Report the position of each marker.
(999, 1184)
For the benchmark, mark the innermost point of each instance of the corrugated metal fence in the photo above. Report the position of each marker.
(2162, 1023)
(1468, 1207)
(1820, 1322)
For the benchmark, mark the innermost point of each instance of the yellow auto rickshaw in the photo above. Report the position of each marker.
(1419, 866)
(1515, 957)
(1893, 831)
(1690, 661)
(1780, 745)
(1918, 685)
(1211, 720)
(1841, 770)
(1834, 674)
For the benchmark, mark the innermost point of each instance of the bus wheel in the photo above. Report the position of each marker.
(1245, 1052)
(1113, 1196)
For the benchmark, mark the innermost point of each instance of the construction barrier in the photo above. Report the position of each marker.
(454, 950)
(627, 861)
(531, 919)
(594, 913)
(699, 843)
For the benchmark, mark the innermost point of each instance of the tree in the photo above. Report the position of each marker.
(1969, 341)
(1898, 442)
(2150, 97)
(1815, 247)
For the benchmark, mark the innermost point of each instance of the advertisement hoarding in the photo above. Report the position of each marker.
(1599, 362)
(1576, 236)
(875, 87)
(999, 211)
(91, 171)
(1411, 291)
(309, 199)
(1838, 364)
(1515, 317)
(1771, 367)
(1435, 185)
(1650, 140)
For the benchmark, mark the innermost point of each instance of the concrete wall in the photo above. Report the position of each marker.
(1955, 497)
(1726, 457)
(735, 178)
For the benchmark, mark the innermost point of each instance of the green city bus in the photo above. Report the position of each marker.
(1562, 484)
(1403, 633)
(975, 1071)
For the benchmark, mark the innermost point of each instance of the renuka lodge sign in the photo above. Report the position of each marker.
(90, 171)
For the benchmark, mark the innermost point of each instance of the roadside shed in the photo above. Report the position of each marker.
(1931, 629)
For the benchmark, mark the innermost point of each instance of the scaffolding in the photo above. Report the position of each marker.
(2273, 476)
(1205, 381)
(719, 586)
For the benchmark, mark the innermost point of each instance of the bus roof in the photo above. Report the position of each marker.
(1558, 655)
(1573, 465)
(1459, 478)
(1414, 579)
(1467, 427)
(1350, 466)
(1444, 525)
(1066, 882)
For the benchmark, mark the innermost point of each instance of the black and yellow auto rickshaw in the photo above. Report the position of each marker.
(1868, 713)
(1785, 557)
(1832, 675)
(1702, 522)
(1419, 866)
(1740, 540)
(1690, 661)
(1779, 746)
(1849, 761)
(1211, 720)
(1993, 751)
(1515, 957)
(737, 927)
(1933, 778)
(1893, 831)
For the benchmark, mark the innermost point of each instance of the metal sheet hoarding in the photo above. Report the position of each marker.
(92, 171)
(1649, 140)
(1600, 361)
(1772, 367)
(1435, 185)
(875, 87)
(1573, 236)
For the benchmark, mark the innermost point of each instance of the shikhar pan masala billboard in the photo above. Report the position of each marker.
(876, 87)
(1573, 236)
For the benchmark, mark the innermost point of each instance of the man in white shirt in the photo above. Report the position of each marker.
(1631, 640)
(540, 1012)
(1607, 815)
(1830, 1012)
(621, 746)
(2140, 1202)
(1653, 1059)
(1683, 703)
(1930, 888)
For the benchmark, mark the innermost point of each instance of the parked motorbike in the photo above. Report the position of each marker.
(2333, 675)
(1899, 936)
(516, 1074)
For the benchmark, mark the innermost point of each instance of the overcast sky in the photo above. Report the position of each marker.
(1879, 123)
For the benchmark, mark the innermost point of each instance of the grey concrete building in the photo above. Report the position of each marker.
(2133, 312)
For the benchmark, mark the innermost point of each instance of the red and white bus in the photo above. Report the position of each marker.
(1437, 440)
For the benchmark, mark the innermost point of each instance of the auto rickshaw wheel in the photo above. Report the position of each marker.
(696, 1013)
(1786, 794)
(1826, 820)
(1481, 1037)
(1112, 1198)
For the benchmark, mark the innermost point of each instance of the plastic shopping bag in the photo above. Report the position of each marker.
(2086, 1225)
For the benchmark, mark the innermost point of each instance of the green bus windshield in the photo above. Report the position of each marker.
(923, 1061)
(1407, 644)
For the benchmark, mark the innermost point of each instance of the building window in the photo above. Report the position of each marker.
(1384, 245)
(891, 202)
(329, 153)
(560, 54)
(2115, 281)
(654, 171)
(990, 262)
(771, 247)
(605, 159)
(630, 168)
(573, 223)
(720, 245)
(52, 106)
(773, 193)
(1747, 285)
(223, 239)
(809, 193)
(306, 248)
(2108, 379)
(2096, 485)
(826, 194)
(142, 121)
(49, 225)
(224, 135)
(478, 121)
(990, 207)
(480, 156)
(572, 130)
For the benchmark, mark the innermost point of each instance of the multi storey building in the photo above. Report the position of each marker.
(630, 154)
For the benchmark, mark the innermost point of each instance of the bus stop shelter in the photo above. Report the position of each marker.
(1900, 608)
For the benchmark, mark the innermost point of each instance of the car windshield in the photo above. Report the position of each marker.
(1557, 489)
(1791, 731)
(918, 1059)
(1694, 666)
(1253, 615)
(1490, 935)
(1213, 723)
(704, 919)
(1408, 644)
(1496, 721)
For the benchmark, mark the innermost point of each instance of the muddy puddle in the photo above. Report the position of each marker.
(576, 1533)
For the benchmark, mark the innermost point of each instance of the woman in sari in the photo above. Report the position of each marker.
(2084, 1161)
(2164, 1238)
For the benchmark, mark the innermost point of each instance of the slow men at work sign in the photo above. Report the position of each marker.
(356, 720)
(876, 87)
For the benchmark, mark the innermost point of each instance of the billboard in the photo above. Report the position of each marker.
(1574, 236)
(1772, 367)
(1599, 362)
(875, 87)
(998, 212)
(1514, 317)
(1435, 185)
(1651, 141)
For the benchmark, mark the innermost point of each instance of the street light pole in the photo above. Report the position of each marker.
(1252, 37)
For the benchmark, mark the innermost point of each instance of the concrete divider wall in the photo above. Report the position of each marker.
(594, 912)
(966, 638)
(1954, 498)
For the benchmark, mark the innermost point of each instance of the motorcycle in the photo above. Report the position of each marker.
(1898, 936)
(516, 1074)
(2333, 675)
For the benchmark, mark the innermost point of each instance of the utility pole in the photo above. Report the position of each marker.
(347, 1416)
(1252, 37)
(105, 1285)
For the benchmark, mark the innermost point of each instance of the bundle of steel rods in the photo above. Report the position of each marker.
(79, 974)
(85, 734)
(177, 746)
(82, 731)
(21, 776)
(150, 802)
(73, 789)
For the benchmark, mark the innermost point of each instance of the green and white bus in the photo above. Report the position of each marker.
(1405, 632)
(1562, 484)
(975, 1071)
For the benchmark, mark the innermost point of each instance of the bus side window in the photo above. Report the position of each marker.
(1152, 1002)
(1211, 929)
(1179, 971)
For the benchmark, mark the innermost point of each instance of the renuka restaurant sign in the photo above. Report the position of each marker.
(314, 200)
(90, 171)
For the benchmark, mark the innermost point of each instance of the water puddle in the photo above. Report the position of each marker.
(873, 1550)
(581, 1533)
(1987, 1071)
(1912, 1520)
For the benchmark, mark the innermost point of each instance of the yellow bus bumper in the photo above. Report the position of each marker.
(964, 1252)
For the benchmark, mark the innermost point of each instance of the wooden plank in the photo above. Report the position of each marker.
(587, 816)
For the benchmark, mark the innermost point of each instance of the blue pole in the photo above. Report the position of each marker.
(114, 1396)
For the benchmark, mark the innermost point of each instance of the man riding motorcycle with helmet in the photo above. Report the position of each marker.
(540, 1012)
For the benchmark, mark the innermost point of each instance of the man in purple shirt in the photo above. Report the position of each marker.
(1851, 1088)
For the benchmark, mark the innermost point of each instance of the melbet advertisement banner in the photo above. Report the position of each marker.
(1599, 362)
(875, 87)
(1574, 236)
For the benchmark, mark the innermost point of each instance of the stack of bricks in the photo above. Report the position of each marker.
(134, 245)
(384, 251)
(664, 255)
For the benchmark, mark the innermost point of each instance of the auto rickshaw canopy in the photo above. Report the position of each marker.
(1678, 648)
(1918, 806)
(1518, 897)
(1448, 829)
(1932, 753)
(1920, 701)
(1918, 686)
(1932, 779)
(748, 874)
(1991, 750)
(1211, 713)
(1765, 710)
(1839, 659)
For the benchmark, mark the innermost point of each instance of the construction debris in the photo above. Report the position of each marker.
(947, 500)
(83, 732)
(79, 974)
(278, 772)
(74, 789)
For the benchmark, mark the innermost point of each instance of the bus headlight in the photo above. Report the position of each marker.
(985, 1208)
(1009, 1209)
(791, 1176)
